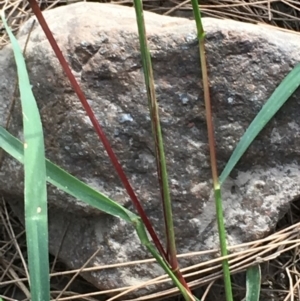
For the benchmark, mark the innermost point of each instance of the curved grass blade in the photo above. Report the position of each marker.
(253, 283)
(281, 94)
(66, 182)
(36, 217)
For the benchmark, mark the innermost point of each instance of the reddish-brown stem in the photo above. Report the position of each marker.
(98, 129)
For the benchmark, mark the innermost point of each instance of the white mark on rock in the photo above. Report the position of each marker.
(90, 101)
(191, 38)
(184, 98)
(275, 136)
(294, 126)
(197, 188)
(87, 120)
(174, 182)
(192, 144)
(230, 100)
(125, 117)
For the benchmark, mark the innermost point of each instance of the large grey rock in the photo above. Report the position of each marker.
(246, 63)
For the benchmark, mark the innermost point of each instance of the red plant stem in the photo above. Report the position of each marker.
(97, 127)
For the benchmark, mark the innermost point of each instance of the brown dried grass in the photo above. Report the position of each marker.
(278, 255)
(284, 14)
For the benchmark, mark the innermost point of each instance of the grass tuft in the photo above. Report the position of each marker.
(35, 190)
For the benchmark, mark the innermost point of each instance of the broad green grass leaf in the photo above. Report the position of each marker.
(253, 283)
(66, 182)
(36, 217)
(281, 94)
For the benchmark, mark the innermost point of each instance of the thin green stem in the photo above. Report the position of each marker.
(223, 243)
(140, 229)
(213, 163)
(211, 141)
(159, 147)
(197, 15)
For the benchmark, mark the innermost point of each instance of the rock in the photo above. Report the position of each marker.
(246, 63)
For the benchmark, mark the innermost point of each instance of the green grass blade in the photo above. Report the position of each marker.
(66, 182)
(157, 137)
(78, 189)
(198, 20)
(145, 241)
(36, 217)
(282, 93)
(212, 150)
(158, 144)
(253, 283)
(223, 243)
